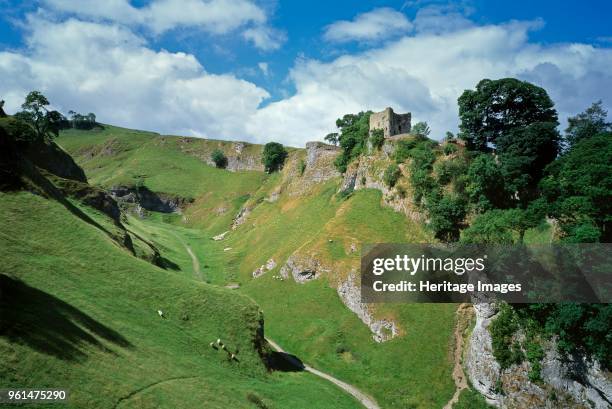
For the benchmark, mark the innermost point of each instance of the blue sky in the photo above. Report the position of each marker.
(283, 70)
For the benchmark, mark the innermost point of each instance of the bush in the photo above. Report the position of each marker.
(502, 329)
(273, 156)
(219, 158)
(377, 138)
(18, 131)
(301, 166)
(449, 149)
(392, 175)
(446, 216)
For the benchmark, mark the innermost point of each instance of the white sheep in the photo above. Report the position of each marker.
(160, 313)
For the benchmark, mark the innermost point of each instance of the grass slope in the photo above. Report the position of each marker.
(413, 370)
(79, 312)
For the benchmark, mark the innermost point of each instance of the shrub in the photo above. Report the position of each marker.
(391, 175)
(377, 138)
(502, 329)
(301, 166)
(446, 216)
(219, 158)
(20, 132)
(449, 149)
(273, 156)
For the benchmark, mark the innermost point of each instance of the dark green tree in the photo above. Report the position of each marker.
(273, 156)
(586, 124)
(332, 138)
(578, 187)
(446, 216)
(497, 106)
(485, 187)
(46, 123)
(354, 131)
(219, 158)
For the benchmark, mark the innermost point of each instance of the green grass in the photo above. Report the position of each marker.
(81, 314)
(470, 399)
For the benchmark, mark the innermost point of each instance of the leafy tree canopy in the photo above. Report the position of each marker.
(273, 156)
(46, 123)
(496, 107)
(586, 124)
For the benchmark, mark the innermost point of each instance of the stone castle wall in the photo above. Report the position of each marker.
(390, 122)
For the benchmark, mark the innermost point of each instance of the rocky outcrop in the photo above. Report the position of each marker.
(241, 217)
(481, 366)
(220, 237)
(302, 268)
(320, 162)
(264, 268)
(367, 173)
(143, 198)
(350, 294)
(575, 381)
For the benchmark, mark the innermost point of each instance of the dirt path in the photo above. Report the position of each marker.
(464, 314)
(364, 399)
(149, 386)
(195, 263)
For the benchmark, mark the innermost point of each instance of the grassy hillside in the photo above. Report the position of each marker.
(80, 312)
(288, 215)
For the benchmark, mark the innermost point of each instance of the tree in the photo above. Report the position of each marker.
(587, 124)
(332, 138)
(273, 156)
(46, 123)
(354, 130)
(498, 106)
(486, 187)
(446, 216)
(421, 129)
(219, 158)
(578, 187)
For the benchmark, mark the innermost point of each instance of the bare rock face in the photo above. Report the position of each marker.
(482, 368)
(320, 162)
(361, 175)
(575, 382)
(241, 217)
(350, 294)
(144, 198)
(220, 237)
(270, 264)
(302, 268)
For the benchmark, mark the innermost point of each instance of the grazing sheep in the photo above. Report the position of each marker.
(219, 341)
(160, 313)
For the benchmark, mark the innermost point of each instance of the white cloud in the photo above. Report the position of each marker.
(426, 73)
(106, 69)
(377, 24)
(211, 16)
(265, 38)
(109, 70)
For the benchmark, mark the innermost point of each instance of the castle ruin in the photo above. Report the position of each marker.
(391, 123)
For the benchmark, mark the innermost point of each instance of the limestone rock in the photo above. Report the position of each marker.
(350, 294)
(302, 268)
(270, 264)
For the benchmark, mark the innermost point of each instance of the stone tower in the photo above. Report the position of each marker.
(391, 123)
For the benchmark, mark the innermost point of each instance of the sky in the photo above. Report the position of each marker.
(283, 71)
